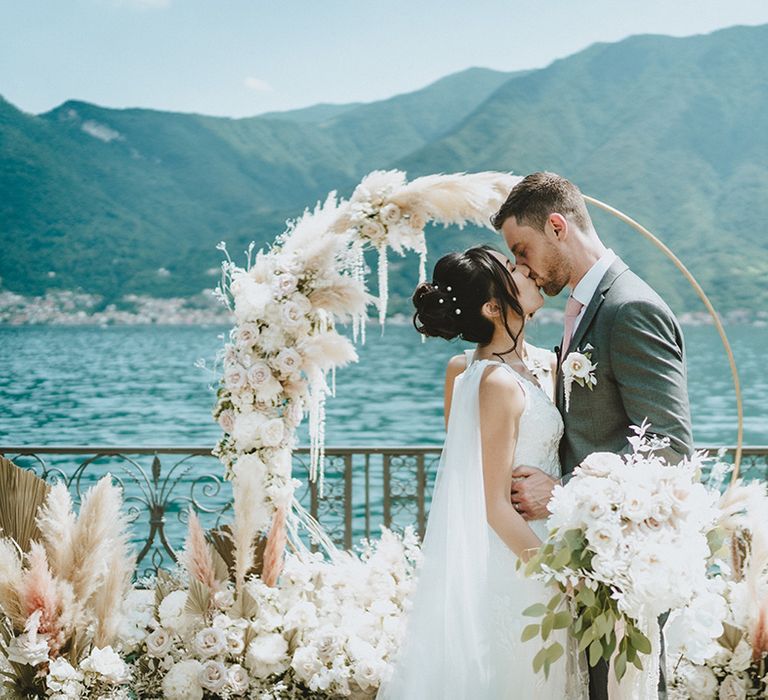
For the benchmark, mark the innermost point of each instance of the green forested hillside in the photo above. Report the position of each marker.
(672, 131)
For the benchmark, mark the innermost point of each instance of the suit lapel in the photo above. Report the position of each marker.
(617, 268)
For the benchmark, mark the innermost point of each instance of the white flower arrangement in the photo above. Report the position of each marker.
(628, 541)
(578, 368)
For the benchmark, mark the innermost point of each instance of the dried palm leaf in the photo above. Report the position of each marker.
(21, 494)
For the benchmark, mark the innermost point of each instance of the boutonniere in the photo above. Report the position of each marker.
(578, 367)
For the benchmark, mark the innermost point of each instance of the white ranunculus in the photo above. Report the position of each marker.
(733, 688)
(107, 664)
(213, 675)
(159, 642)
(267, 654)
(701, 682)
(209, 642)
(272, 432)
(390, 214)
(604, 537)
(247, 429)
(306, 663)
(182, 681)
(288, 362)
(742, 657)
(237, 679)
(171, 611)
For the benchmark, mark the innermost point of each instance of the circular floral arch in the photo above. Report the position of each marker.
(287, 302)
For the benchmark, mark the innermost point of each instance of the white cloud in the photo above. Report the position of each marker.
(257, 84)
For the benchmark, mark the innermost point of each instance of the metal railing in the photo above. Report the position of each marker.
(364, 488)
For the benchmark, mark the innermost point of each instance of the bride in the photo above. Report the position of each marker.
(463, 635)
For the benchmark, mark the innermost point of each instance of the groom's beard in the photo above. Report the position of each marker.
(555, 277)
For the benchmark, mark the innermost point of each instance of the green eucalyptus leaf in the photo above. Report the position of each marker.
(535, 610)
(530, 632)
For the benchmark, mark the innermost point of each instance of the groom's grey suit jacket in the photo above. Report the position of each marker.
(638, 347)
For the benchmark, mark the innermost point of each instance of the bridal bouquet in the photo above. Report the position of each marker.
(628, 542)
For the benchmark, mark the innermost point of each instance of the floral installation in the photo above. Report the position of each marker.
(578, 367)
(733, 665)
(61, 599)
(288, 301)
(629, 540)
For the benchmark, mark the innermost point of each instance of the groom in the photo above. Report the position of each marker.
(636, 343)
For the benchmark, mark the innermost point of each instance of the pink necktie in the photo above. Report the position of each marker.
(572, 310)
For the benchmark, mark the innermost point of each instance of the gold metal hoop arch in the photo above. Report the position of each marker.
(711, 309)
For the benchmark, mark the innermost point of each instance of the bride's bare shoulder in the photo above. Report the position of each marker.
(457, 364)
(501, 390)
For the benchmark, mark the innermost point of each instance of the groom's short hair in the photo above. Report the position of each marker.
(537, 196)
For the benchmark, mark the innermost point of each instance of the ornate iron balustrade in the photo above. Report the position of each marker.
(365, 488)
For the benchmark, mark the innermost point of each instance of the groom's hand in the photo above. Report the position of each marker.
(531, 491)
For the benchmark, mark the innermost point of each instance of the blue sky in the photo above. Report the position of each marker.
(244, 57)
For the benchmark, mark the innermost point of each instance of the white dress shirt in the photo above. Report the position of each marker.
(587, 286)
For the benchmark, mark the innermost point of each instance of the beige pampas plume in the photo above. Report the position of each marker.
(247, 491)
(197, 556)
(273, 552)
(108, 599)
(56, 521)
(343, 297)
(386, 182)
(312, 226)
(326, 350)
(458, 198)
(99, 527)
(11, 576)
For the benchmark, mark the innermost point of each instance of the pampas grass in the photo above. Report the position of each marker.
(38, 592)
(343, 297)
(108, 599)
(273, 553)
(246, 492)
(327, 350)
(11, 576)
(197, 556)
(56, 521)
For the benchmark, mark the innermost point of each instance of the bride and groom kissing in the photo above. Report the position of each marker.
(517, 426)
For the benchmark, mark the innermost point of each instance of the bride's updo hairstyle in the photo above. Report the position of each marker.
(449, 306)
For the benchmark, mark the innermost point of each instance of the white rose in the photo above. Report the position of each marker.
(288, 362)
(210, 641)
(390, 213)
(247, 335)
(600, 464)
(267, 654)
(226, 420)
(213, 675)
(635, 506)
(604, 537)
(577, 365)
(301, 616)
(107, 664)
(272, 432)
(237, 679)
(373, 230)
(701, 682)
(246, 430)
(235, 642)
(182, 681)
(28, 649)
(225, 598)
(368, 672)
(235, 377)
(159, 643)
(284, 284)
(742, 657)
(733, 688)
(306, 663)
(171, 611)
(64, 678)
(293, 313)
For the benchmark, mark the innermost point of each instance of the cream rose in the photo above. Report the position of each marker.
(213, 675)
(159, 642)
(238, 679)
(210, 641)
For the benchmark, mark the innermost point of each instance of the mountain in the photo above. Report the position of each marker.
(672, 131)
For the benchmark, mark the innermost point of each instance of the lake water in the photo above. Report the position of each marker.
(139, 386)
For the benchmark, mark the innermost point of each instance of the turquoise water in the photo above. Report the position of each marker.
(140, 386)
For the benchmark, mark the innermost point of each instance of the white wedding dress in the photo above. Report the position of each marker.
(463, 631)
